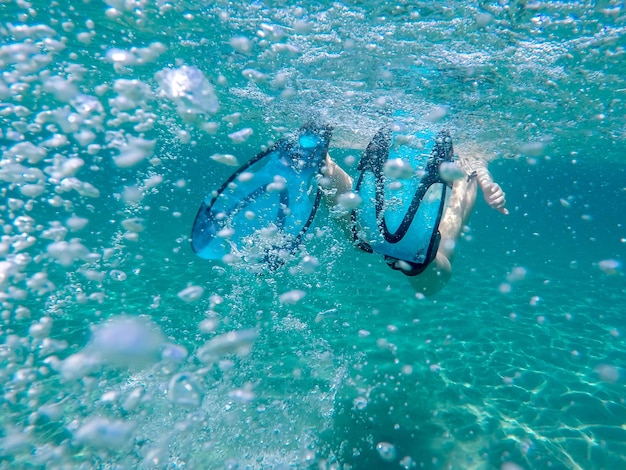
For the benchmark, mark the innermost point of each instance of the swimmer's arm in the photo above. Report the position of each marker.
(492, 192)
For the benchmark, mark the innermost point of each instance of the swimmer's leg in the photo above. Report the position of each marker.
(460, 206)
(457, 214)
(334, 183)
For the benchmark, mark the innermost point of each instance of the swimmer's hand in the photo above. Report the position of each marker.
(495, 197)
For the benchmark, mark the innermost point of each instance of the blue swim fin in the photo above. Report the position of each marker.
(400, 213)
(261, 212)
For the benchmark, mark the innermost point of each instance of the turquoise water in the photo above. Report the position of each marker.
(110, 113)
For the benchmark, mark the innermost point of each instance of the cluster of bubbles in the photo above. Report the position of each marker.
(91, 122)
(82, 128)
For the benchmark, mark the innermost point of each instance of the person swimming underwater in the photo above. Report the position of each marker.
(401, 205)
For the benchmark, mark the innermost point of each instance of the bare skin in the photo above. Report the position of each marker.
(338, 184)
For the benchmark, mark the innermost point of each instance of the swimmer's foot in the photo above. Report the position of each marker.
(495, 197)
(492, 192)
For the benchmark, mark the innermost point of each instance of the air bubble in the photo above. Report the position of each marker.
(123, 342)
(242, 395)
(191, 293)
(133, 399)
(104, 433)
(235, 342)
(518, 273)
(41, 329)
(225, 159)
(483, 19)
(240, 136)
(26, 150)
(78, 366)
(532, 149)
(292, 297)
(607, 373)
(184, 390)
(135, 224)
(350, 160)
(174, 353)
(32, 190)
(133, 152)
(437, 114)
(271, 32)
(349, 200)
(254, 75)
(302, 27)
(450, 172)
(75, 223)
(241, 44)
(279, 184)
(407, 463)
(226, 232)
(360, 403)
(387, 451)
(189, 89)
(610, 266)
(398, 168)
(209, 325)
(309, 264)
(117, 275)
(245, 176)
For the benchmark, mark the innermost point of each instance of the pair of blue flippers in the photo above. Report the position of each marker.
(262, 212)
